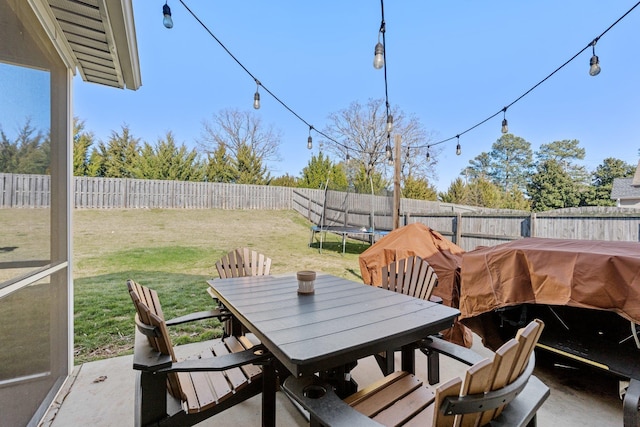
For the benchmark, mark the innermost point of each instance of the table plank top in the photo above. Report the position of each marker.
(341, 322)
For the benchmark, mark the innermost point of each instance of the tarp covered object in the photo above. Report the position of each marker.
(416, 239)
(444, 256)
(578, 273)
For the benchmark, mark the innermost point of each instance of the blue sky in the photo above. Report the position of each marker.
(451, 64)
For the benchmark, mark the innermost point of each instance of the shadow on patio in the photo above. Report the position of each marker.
(102, 394)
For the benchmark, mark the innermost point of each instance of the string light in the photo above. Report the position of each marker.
(167, 21)
(310, 140)
(428, 154)
(458, 148)
(594, 62)
(505, 124)
(256, 96)
(378, 56)
(389, 123)
(591, 44)
(387, 151)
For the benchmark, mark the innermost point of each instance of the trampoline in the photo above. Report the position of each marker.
(344, 232)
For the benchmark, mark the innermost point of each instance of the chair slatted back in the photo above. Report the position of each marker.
(149, 312)
(410, 276)
(243, 262)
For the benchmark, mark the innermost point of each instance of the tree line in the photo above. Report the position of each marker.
(236, 147)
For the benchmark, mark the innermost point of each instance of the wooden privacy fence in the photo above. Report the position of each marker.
(466, 226)
(140, 193)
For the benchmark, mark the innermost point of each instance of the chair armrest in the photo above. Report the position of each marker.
(630, 404)
(522, 410)
(323, 403)
(454, 351)
(436, 299)
(145, 358)
(475, 403)
(200, 315)
(255, 355)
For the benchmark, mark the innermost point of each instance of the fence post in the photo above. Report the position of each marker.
(458, 230)
(532, 225)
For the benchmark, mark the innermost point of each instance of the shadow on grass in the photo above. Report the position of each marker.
(353, 247)
(104, 313)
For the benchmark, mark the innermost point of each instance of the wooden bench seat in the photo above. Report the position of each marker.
(184, 393)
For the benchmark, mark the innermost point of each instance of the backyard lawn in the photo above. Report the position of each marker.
(174, 251)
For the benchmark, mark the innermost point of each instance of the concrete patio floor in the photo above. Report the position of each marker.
(102, 394)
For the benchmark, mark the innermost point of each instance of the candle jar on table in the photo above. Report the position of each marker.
(306, 282)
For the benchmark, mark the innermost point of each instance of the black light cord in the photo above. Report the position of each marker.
(504, 109)
(258, 81)
(386, 90)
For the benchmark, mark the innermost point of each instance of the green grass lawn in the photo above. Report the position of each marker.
(174, 252)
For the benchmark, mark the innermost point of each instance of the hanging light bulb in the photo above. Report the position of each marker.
(256, 97)
(387, 151)
(166, 11)
(310, 140)
(458, 148)
(389, 123)
(594, 62)
(390, 161)
(378, 58)
(348, 157)
(428, 154)
(505, 124)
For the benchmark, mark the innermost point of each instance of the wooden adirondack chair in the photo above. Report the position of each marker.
(410, 276)
(243, 262)
(240, 262)
(498, 392)
(172, 393)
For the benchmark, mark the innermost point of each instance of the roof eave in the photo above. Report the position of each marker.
(117, 64)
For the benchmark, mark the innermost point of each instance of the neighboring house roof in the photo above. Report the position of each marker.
(623, 188)
(627, 188)
(96, 37)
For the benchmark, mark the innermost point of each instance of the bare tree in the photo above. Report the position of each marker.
(359, 132)
(238, 130)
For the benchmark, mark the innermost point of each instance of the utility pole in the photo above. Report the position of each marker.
(397, 140)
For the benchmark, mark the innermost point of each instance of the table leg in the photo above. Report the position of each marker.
(408, 358)
(269, 388)
(341, 379)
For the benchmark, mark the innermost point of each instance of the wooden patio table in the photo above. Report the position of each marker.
(341, 322)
